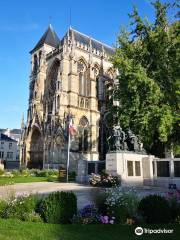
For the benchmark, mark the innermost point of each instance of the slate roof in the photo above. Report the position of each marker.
(49, 37)
(15, 131)
(82, 38)
(3, 137)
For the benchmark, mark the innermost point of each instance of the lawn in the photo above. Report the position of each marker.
(16, 230)
(21, 179)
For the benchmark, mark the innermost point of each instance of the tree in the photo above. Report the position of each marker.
(147, 59)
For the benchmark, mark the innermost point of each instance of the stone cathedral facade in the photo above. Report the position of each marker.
(66, 78)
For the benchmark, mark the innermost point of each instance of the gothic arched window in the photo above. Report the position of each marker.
(83, 79)
(35, 64)
(58, 102)
(96, 71)
(51, 85)
(83, 134)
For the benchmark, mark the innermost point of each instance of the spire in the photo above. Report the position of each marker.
(49, 38)
(22, 122)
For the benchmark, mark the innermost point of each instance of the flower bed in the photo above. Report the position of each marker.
(104, 180)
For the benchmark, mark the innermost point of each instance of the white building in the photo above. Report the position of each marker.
(8, 152)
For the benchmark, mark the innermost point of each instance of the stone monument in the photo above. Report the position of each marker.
(126, 157)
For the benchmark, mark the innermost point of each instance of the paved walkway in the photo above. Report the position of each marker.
(82, 192)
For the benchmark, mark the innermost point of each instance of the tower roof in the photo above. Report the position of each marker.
(3, 137)
(49, 38)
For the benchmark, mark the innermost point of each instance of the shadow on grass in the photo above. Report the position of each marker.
(16, 230)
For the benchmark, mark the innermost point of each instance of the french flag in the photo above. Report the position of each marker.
(72, 129)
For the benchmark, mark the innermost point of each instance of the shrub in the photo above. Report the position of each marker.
(72, 176)
(3, 206)
(174, 208)
(122, 204)
(99, 200)
(1, 171)
(21, 207)
(33, 217)
(104, 180)
(16, 173)
(87, 215)
(155, 209)
(58, 207)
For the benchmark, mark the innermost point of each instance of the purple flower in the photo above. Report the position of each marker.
(104, 219)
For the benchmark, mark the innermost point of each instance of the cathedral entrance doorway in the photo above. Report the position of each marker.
(36, 150)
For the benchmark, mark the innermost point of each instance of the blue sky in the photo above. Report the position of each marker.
(22, 23)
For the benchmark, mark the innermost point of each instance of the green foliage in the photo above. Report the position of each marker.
(16, 173)
(122, 204)
(155, 209)
(1, 171)
(99, 200)
(149, 78)
(3, 206)
(174, 208)
(58, 207)
(21, 207)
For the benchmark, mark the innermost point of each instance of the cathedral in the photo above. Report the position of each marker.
(69, 76)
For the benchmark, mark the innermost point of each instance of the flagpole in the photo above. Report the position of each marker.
(68, 151)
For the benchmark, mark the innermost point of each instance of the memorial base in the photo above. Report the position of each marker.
(132, 168)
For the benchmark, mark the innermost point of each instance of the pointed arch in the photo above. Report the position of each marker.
(51, 84)
(83, 134)
(82, 69)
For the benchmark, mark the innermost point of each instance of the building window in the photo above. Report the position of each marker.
(177, 168)
(10, 145)
(83, 135)
(130, 168)
(58, 102)
(163, 169)
(137, 168)
(9, 155)
(35, 66)
(2, 145)
(91, 168)
(84, 84)
(1, 155)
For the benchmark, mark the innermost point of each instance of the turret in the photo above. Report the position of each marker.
(48, 42)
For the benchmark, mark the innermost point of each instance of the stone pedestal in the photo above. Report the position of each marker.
(82, 171)
(129, 166)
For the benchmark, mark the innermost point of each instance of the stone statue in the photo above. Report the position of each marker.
(132, 141)
(116, 139)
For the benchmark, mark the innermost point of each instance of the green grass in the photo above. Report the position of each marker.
(21, 179)
(16, 230)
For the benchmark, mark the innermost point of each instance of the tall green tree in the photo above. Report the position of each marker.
(147, 59)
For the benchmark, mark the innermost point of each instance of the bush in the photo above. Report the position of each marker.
(44, 172)
(21, 207)
(104, 180)
(58, 207)
(122, 204)
(99, 200)
(16, 173)
(3, 206)
(72, 176)
(155, 209)
(1, 171)
(87, 215)
(174, 208)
